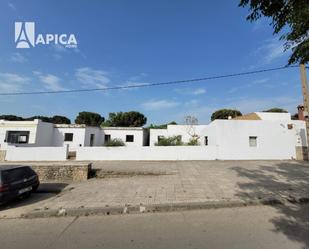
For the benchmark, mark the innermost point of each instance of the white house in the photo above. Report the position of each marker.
(131, 136)
(41, 134)
(254, 136)
(36, 133)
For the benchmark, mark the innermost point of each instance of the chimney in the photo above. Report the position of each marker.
(301, 112)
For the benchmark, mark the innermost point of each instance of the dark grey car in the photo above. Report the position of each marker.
(16, 181)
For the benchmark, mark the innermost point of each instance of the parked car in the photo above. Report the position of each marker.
(16, 181)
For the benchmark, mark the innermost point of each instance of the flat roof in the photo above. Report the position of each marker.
(70, 125)
(122, 128)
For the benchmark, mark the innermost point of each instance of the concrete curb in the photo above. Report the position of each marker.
(168, 207)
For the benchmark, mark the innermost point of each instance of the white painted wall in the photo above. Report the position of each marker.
(6, 126)
(231, 138)
(36, 153)
(44, 134)
(300, 132)
(185, 132)
(121, 132)
(98, 136)
(78, 137)
(147, 153)
(274, 116)
(274, 140)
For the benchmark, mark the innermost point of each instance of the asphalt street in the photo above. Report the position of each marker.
(246, 227)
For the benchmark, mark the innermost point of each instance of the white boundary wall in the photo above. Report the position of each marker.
(36, 153)
(147, 153)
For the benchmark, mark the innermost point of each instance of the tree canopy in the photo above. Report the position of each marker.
(89, 118)
(11, 117)
(162, 126)
(57, 119)
(276, 109)
(225, 113)
(289, 15)
(125, 119)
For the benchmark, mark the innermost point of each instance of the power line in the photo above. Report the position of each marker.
(120, 87)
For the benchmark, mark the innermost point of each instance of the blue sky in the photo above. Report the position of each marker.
(134, 42)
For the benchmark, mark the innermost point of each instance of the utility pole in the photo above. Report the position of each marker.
(306, 99)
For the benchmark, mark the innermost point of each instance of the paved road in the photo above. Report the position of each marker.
(248, 227)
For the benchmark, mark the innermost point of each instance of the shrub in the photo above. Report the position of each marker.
(193, 142)
(114, 142)
(169, 141)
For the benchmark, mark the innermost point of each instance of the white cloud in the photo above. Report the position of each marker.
(159, 104)
(244, 104)
(190, 91)
(271, 50)
(247, 105)
(249, 85)
(89, 77)
(260, 25)
(11, 6)
(12, 82)
(50, 81)
(199, 91)
(18, 58)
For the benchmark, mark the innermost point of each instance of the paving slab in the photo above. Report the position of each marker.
(183, 182)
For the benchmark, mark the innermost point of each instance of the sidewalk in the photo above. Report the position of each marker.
(179, 184)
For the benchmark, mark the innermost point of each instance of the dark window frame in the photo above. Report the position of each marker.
(68, 137)
(13, 137)
(107, 138)
(256, 142)
(129, 138)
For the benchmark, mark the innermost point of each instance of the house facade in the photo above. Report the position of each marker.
(41, 134)
(255, 136)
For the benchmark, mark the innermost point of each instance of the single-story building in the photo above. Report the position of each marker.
(256, 133)
(41, 134)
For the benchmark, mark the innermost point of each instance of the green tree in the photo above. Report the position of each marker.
(89, 118)
(125, 119)
(43, 118)
(225, 113)
(291, 16)
(57, 119)
(11, 117)
(275, 109)
(162, 126)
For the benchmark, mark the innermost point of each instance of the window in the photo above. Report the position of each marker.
(252, 141)
(68, 137)
(107, 138)
(18, 137)
(129, 138)
(206, 140)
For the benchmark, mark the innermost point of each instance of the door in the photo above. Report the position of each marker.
(91, 139)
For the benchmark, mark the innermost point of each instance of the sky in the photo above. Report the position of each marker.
(135, 42)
